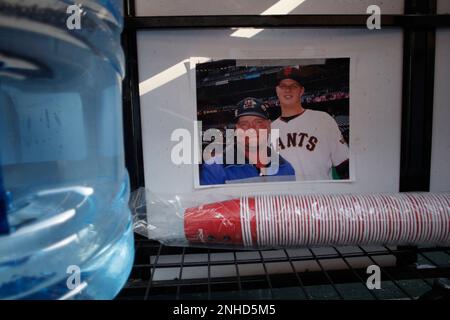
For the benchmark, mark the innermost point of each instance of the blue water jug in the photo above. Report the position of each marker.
(66, 229)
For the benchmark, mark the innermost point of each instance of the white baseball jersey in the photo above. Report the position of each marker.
(312, 143)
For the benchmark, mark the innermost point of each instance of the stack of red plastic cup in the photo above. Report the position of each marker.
(310, 220)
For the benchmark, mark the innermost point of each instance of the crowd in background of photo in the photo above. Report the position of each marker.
(221, 84)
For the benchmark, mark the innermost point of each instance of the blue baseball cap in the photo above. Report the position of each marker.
(251, 107)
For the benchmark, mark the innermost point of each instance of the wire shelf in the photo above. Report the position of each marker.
(162, 272)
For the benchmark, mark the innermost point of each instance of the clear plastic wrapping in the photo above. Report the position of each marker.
(271, 221)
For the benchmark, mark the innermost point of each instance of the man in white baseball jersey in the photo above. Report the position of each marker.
(310, 140)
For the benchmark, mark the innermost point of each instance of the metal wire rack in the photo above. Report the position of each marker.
(163, 272)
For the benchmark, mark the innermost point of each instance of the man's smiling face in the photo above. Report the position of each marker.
(253, 131)
(289, 92)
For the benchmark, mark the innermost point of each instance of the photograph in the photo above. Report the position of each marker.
(272, 120)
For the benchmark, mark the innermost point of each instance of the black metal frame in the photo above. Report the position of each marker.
(419, 24)
(285, 21)
(131, 105)
(418, 94)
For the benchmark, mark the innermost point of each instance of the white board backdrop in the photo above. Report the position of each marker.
(443, 6)
(440, 154)
(168, 99)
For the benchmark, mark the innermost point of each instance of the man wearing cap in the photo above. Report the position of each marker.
(310, 140)
(249, 158)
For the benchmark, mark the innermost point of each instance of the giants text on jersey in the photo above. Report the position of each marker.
(312, 143)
